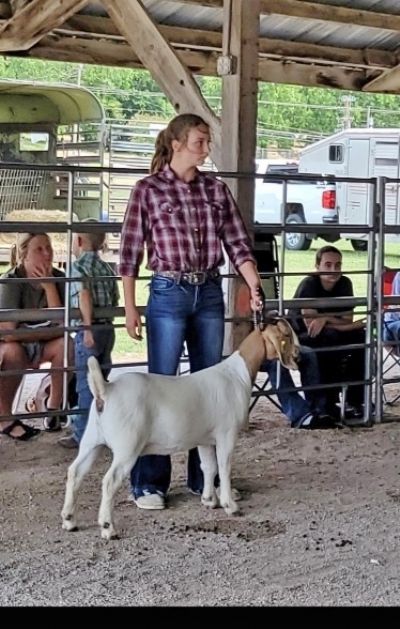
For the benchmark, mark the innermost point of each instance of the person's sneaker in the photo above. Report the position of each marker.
(150, 501)
(68, 442)
(317, 422)
(354, 412)
(195, 492)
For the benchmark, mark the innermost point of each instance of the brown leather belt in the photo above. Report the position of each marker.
(191, 277)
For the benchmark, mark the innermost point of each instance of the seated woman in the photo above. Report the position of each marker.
(31, 257)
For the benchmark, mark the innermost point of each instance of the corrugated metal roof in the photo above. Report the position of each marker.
(327, 33)
(380, 6)
(289, 28)
(175, 13)
(187, 15)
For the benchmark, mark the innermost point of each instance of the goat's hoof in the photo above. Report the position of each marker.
(231, 509)
(210, 501)
(69, 525)
(109, 534)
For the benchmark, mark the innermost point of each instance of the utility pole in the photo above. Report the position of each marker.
(79, 76)
(347, 101)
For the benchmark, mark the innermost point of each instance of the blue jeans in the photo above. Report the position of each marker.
(391, 332)
(293, 404)
(104, 343)
(177, 312)
(339, 365)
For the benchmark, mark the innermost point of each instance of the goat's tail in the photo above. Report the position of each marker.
(97, 384)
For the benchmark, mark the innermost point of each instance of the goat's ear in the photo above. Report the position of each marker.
(271, 342)
(293, 334)
(283, 343)
(285, 327)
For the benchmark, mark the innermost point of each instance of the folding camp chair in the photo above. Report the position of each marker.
(266, 254)
(391, 359)
(263, 388)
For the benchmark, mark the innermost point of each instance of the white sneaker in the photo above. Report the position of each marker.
(150, 501)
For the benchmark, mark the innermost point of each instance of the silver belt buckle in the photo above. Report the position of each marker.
(198, 277)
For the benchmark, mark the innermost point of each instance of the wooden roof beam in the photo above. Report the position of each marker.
(314, 75)
(315, 53)
(17, 5)
(197, 39)
(79, 50)
(162, 61)
(26, 27)
(388, 82)
(103, 26)
(110, 53)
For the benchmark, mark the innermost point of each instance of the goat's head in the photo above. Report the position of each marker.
(281, 342)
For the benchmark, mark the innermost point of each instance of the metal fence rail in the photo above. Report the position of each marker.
(22, 190)
(372, 303)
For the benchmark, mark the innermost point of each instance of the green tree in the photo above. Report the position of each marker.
(287, 114)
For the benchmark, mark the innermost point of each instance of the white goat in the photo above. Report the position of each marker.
(140, 413)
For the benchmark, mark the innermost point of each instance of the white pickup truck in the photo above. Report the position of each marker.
(312, 202)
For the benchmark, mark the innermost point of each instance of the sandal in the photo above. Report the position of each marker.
(30, 405)
(54, 423)
(28, 434)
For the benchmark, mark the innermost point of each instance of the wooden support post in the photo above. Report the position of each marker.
(239, 131)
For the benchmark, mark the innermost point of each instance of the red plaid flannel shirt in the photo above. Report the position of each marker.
(182, 225)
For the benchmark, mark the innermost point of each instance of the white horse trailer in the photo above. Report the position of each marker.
(358, 153)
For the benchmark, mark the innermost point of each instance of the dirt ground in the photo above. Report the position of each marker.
(319, 526)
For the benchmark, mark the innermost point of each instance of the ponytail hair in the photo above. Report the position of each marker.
(162, 154)
(178, 129)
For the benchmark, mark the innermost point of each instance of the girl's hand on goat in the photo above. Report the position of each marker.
(134, 324)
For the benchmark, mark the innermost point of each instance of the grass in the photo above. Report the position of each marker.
(298, 262)
(127, 349)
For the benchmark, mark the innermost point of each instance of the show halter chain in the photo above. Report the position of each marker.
(258, 315)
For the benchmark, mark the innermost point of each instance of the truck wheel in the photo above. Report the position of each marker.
(296, 241)
(359, 245)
